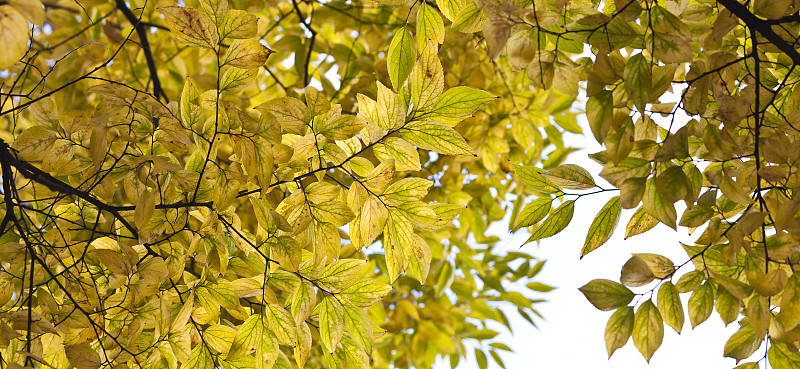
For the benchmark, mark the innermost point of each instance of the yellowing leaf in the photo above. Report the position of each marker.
(366, 292)
(331, 322)
(436, 137)
(639, 223)
(427, 78)
(190, 26)
(670, 306)
(532, 177)
(648, 329)
(535, 211)
(13, 36)
(83, 357)
(555, 223)
(390, 110)
(247, 54)
(603, 226)
(429, 26)
(701, 303)
(656, 206)
(239, 24)
(618, 329)
(340, 274)
(606, 295)
(247, 337)
(742, 344)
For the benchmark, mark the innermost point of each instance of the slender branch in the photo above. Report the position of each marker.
(145, 45)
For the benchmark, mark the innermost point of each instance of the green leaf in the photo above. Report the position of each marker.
(701, 303)
(539, 287)
(638, 80)
(619, 329)
(570, 176)
(670, 307)
(434, 136)
(400, 58)
(535, 211)
(555, 223)
(648, 329)
(606, 295)
(603, 226)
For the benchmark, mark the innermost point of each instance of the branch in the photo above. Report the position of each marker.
(311, 42)
(145, 45)
(54, 184)
(740, 10)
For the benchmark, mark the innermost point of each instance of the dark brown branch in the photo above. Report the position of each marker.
(141, 30)
(7, 158)
(740, 10)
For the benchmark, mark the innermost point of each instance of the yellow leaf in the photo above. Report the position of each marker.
(190, 26)
(13, 36)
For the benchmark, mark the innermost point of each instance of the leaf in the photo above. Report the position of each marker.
(31, 9)
(670, 306)
(331, 322)
(539, 287)
(648, 329)
(790, 303)
(247, 54)
(603, 226)
(619, 329)
(13, 36)
(390, 109)
(780, 356)
(400, 57)
(434, 136)
(532, 177)
(190, 26)
(239, 24)
(429, 26)
(639, 223)
(398, 243)
(341, 127)
(83, 357)
(366, 292)
(461, 101)
(636, 272)
(535, 211)
(606, 295)
(426, 81)
(555, 223)
(742, 344)
(340, 274)
(656, 206)
(570, 176)
(247, 336)
(282, 324)
(701, 303)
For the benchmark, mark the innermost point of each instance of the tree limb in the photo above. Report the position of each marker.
(740, 10)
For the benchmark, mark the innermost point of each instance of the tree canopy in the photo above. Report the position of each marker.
(241, 184)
